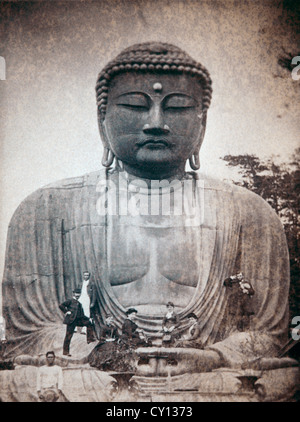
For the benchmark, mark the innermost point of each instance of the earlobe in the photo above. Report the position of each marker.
(194, 159)
(103, 132)
(108, 156)
(202, 130)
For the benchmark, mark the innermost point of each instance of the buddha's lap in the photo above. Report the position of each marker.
(81, 383)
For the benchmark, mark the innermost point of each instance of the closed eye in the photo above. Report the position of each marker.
(136, 107)
(134, 101)
(179, 108)
(179, 102)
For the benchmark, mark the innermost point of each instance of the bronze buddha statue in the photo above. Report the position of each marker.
(152, 103)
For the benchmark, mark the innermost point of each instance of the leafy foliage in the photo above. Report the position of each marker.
(279, 185)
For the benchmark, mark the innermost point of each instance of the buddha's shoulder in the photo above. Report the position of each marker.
(249, 204)
(59, 194)
(225, 188)
(70, 184)
(77, 182)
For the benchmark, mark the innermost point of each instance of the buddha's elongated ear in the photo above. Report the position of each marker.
(108, 156)
(194, 159)
(202, 129)
(102, 130)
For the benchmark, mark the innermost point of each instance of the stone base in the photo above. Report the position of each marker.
(221, 385)
(80, 384)
(85, 384)
(161, 376)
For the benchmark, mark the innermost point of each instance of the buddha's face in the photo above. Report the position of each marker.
(153, 121)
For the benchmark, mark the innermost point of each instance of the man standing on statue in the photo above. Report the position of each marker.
(152, 104)
(75, 317)
(87, 296)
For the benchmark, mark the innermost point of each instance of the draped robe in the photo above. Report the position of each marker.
(58, 232)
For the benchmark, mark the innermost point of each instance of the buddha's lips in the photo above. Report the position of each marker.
(153, 142)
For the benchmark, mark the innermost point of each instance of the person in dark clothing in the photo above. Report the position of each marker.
(190, 338)
(169, 325)
(107, 354)
(240, 307)
(74, 317)
(108, 331)
(113, 354)
(131, 334)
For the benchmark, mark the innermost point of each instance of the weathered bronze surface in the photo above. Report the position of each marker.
(152, 107)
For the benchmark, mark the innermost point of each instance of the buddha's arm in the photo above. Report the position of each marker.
(265, 262)
(33, 283)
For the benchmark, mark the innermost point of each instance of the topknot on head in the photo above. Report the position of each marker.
(151, 47)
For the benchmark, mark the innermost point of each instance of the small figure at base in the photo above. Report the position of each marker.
(49, 381)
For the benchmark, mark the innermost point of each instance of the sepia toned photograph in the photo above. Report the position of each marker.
(150, 185)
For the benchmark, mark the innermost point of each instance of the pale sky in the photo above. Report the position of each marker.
(54, 51)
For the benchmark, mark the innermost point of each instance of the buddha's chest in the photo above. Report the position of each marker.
(136, 250)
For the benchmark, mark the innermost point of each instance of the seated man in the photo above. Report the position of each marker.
(169, 324)
(147, 227)
(190, 338)
(108, 330)
(103, 355)
(113, 355)
(132, 335)
(50, 381)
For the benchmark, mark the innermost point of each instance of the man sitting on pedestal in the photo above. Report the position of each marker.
(50, 381)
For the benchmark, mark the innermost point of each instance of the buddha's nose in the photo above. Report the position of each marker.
(155, 124)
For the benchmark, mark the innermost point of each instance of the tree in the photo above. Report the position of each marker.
(279, 185)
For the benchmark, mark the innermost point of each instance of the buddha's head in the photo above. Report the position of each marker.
(152, 105)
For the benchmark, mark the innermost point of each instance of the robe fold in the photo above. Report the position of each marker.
(59, 231)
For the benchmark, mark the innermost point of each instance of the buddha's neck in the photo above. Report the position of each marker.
(155, 173)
